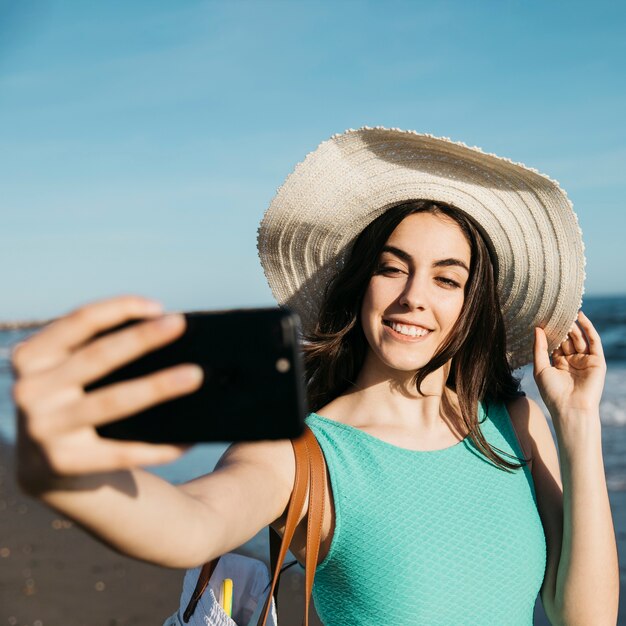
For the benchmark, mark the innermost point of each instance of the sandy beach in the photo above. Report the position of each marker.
(52, 573)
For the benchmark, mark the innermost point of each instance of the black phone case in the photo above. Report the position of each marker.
(253, 384)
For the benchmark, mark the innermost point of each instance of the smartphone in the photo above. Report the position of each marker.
(253, 385)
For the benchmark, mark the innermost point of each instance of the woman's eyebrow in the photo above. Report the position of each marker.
(451, 262)
(405, 256)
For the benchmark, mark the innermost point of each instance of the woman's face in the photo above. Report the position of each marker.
(416, 293)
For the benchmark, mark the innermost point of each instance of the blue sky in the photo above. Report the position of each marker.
(141, 142)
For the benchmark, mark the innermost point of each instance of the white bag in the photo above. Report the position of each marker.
(251, 584)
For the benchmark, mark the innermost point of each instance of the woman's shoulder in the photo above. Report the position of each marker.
(337, 410)
(522, 408)
(264, 453)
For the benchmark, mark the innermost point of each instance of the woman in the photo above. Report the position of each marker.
(419, 267)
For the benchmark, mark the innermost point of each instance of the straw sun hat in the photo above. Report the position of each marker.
(350, 179)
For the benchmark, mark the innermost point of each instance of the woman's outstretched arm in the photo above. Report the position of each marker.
(584, 569)
(62, 461)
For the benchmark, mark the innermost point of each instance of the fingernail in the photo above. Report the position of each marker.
(169, 321)
(189, 374)
(152, 306)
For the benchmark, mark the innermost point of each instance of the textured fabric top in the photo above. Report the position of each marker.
(429, 538)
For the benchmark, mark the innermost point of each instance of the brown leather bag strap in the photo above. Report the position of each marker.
(310, 470)
(277, 554)
(315, 515)
(201, 585)
(275, 541)
(317, 475)
(296, 504)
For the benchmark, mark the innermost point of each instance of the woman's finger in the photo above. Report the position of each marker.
(593, 338)
(567, 347)
(559, 360)
(541, 357)
(119, 400)
(578, 339)
(86, 453)
(135, 453)
(54, 343)
(106, 354)
(131, 454)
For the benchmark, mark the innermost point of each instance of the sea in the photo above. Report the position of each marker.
(608, 314)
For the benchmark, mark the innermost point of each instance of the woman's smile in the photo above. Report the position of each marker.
(406, 332)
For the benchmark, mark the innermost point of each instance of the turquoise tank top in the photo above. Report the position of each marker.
(429, 538)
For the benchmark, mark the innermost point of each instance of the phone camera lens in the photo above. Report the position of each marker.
(283, 365)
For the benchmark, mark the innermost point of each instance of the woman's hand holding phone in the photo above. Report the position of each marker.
(57, 418)
(62, 403)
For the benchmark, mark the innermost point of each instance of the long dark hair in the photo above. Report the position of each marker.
(334, 352)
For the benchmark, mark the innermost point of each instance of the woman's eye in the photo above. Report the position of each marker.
(448, 282)
(389, 269)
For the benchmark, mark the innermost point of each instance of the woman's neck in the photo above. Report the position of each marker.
(391, 398)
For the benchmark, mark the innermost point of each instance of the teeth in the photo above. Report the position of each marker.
(411, 331)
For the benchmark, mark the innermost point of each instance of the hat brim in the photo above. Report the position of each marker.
(350, 179)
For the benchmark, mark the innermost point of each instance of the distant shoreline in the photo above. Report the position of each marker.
(21, 324)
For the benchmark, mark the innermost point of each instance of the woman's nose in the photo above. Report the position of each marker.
(413, 295)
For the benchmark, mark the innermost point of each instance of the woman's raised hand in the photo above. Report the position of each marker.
(573, 382)
(57, 418)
